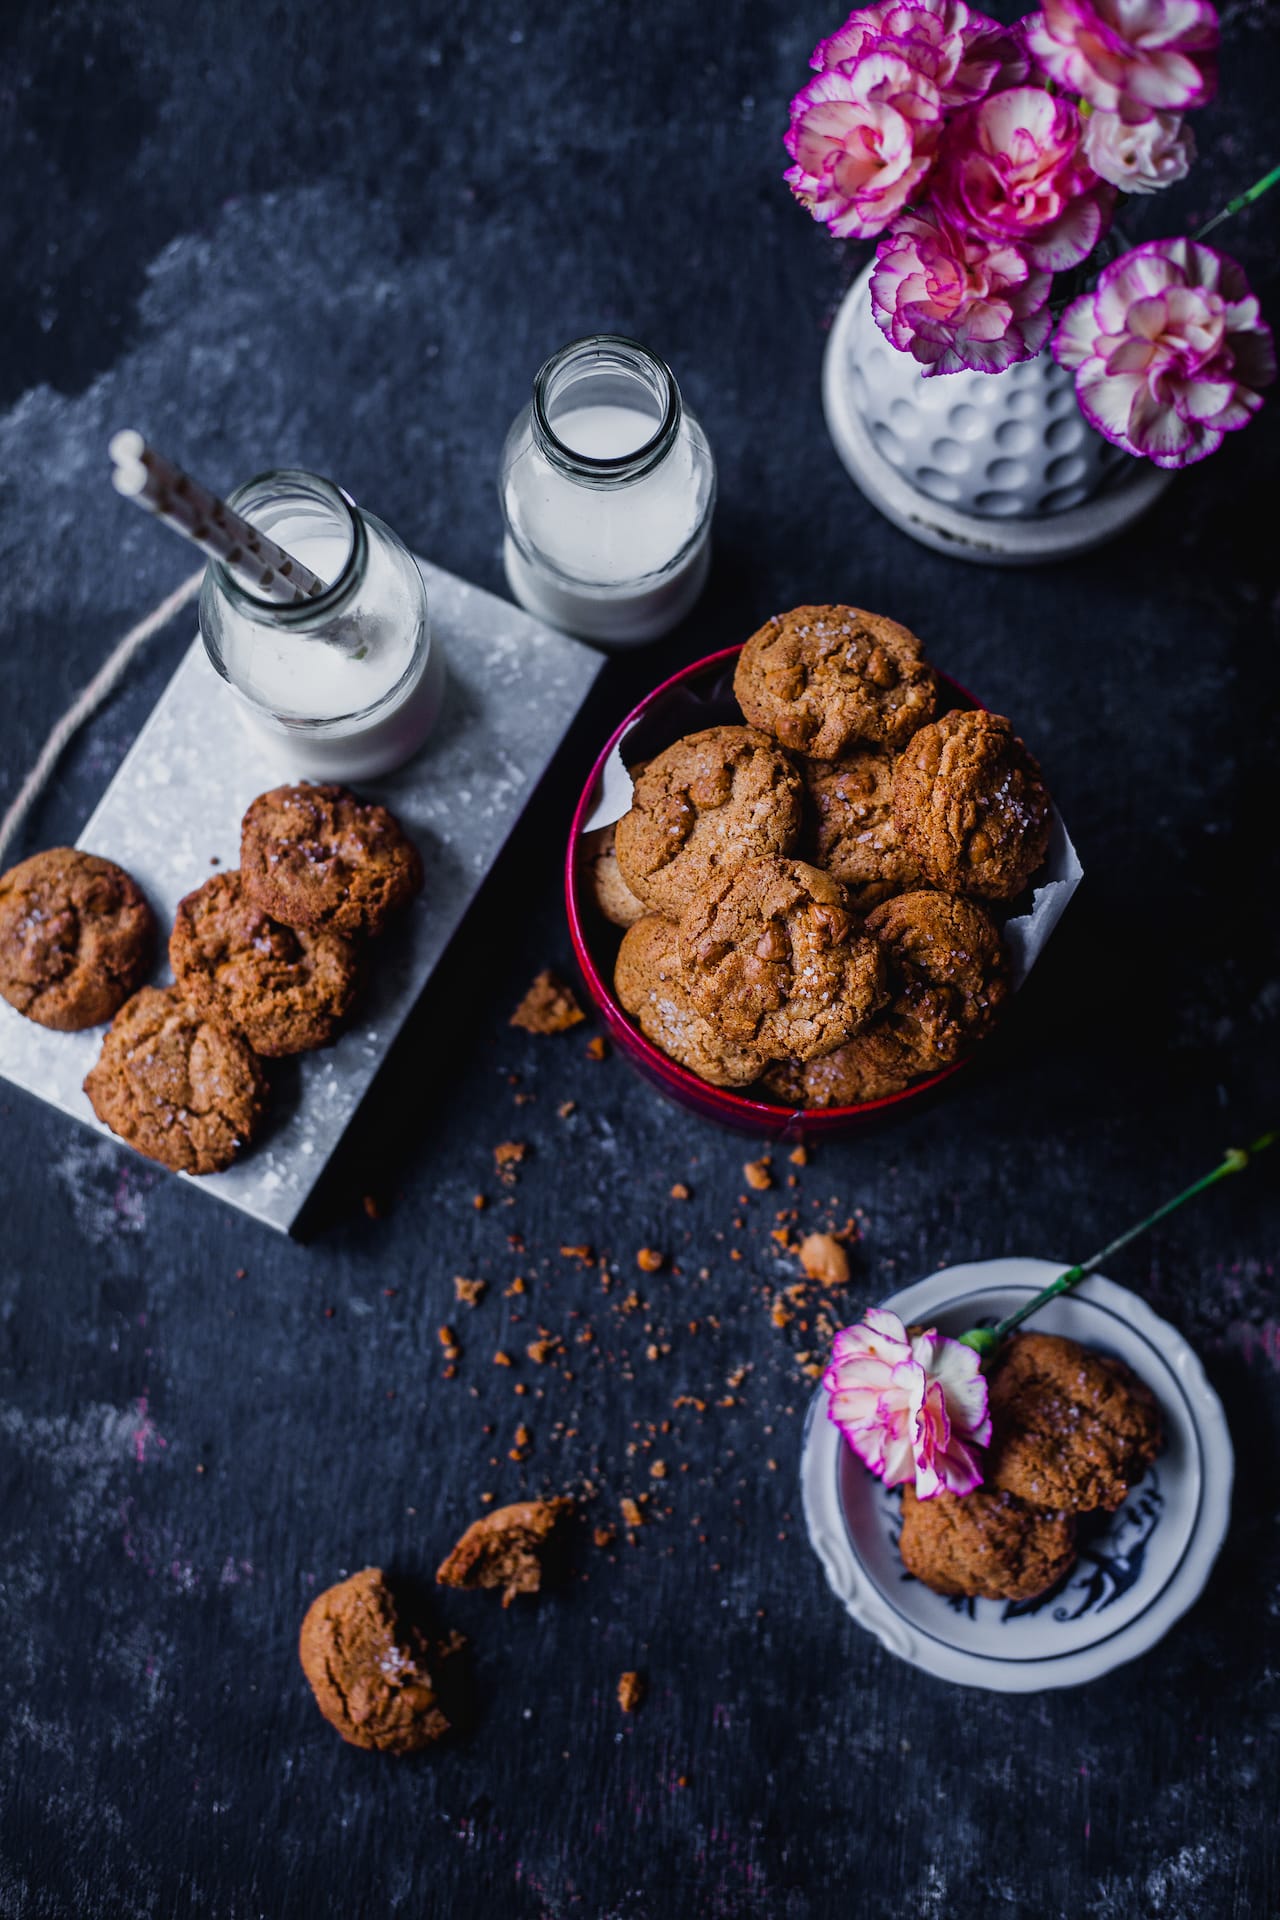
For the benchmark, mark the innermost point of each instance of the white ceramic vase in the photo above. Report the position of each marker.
(997, 467)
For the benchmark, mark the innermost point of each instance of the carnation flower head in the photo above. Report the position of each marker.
(863, 136)
(1133, 57)
(1011, 169)
(1142, 156)
(964, 53)
(910, 1405)
(953, 300)
(1169, 351)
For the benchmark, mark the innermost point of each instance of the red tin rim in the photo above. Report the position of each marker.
(665, 1069)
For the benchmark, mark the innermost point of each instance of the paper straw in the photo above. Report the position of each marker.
(154, 483)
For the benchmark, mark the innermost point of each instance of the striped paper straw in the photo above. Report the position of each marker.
(154, 483)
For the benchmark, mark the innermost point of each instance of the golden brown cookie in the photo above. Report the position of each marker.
(871, 1066)
(948, 974)
(971, 806)
(823, 679)
(504, 1548)
(703, 807)
(852, 831)
(375, 1679)
(776, 962)
(604, 877)
(181, 1091)
(1071, 1428)
(286, 990)
(76, 938)
(649, 982)
(985, 1544)
(319, 857)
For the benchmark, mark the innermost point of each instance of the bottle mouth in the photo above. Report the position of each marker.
(605, 370)
(279, 499)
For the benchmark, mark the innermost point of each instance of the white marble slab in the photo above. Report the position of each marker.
(513, 686)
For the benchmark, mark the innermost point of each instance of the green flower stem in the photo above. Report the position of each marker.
(985, 1340)
(1241, 201)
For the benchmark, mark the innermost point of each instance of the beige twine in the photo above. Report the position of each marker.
(86, 704)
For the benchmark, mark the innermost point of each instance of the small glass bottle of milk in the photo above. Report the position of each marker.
(607, 485)
(344, 686)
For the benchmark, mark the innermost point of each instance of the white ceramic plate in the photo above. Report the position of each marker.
(1139, 1569)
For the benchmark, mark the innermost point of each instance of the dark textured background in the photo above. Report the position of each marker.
(344, 237)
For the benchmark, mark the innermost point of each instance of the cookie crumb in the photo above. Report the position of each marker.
(372, 1206)
(566, 1107)
(679, 1191)
(509, 1153)
(798, 1157)
(649, 1260)
(469, 1292)
(548, 1007)
(504, 1548)
(597, 1048)
(631, 1512)
(757, 1174)
(824, 1259)
(605, 1536)
(630, 1692)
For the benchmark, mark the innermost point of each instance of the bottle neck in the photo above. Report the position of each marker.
(318, 522)
(605, 410)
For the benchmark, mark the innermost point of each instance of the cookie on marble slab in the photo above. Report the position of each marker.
(286, 989)
(319, 857)
(178, 1089)
(76, 938)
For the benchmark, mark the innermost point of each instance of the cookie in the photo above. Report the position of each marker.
(605, 884)
(649, 982)
(971, 806)
(703, 807)
(948, 974)
(987, 1544)
(871, 1066)
(776, 961)
(852, 834)
(76, 938)
(317, 857)
(504, 1548)
(824, 679)
(1070, 1428)
(286, 990)
(181, 1091)
(375, 1679)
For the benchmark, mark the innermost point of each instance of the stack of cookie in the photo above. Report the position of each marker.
(266, 961)
(807, 897)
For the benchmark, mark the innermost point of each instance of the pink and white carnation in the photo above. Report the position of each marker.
(964, 53)
(1139, 157)
(1169, 351)
(953, 301)
(1011, 169)
(911, 1407)
(1133, 57)
(863, 137)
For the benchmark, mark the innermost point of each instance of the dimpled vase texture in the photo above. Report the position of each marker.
(1010, 445)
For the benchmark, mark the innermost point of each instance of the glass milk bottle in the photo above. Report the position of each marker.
(608, 485)
(344, 686)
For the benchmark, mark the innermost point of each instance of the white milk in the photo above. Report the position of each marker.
(619, 558)
(350, 698)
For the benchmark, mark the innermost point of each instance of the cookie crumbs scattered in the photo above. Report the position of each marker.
(605, 1536)
(631, 1513)
(824, 1259)
(630, 1692)
(679, 1191)
(577, 1253)
(798, 1157)
(658, 1470)
(649, 1260)
(508, 1155)
(372, 1207)
(566, 1107)
(468, 1292)
(597, 1048)
(501, 1359)
(479, 1203)
(548, 1007)
(757, 1174)
(780, 1313)
(540, 1351)
(517, 1287)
